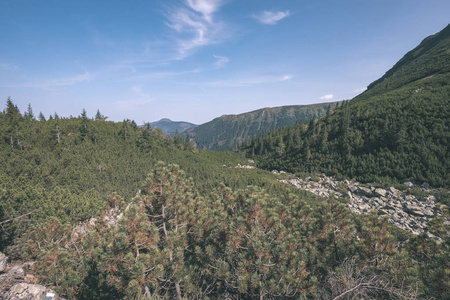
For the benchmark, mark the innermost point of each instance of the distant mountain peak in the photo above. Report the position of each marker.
(170, 127)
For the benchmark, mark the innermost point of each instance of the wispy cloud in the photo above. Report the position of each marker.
(138, 100)
(287, 77)
(327, 97)
(7, 66)
(221, 61)
(145, 76)
(271, 17)
(242, 82)
(51, 84)
(195, 25)
(205, 7)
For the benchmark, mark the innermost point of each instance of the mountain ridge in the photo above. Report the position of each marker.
(226, 131)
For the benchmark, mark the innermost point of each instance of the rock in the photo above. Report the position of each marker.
(430, 199)
(428, 212)
(353, 188)
(380, 201)
(414, 210)
(409, 184)
(364, 208)
(245, 167)
(395, 204)
(3, 262)
(380, 192)
(364, 191)
(31, 279)
(394, 192)
(425, 185)
(27, 291)
(14, 276)
(404, 210)
(410, 198)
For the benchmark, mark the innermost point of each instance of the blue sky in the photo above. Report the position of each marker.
(194, 60)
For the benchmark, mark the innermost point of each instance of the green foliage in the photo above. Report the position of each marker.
(171, 242)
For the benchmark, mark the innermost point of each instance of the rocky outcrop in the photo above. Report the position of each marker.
(111, 218)
(19, 282)
(27, 291)
(15, 274)
(404, 209)
(245, 166)
(3, 261)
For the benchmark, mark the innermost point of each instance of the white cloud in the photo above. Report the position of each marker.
(54, 83)
(271, 17)
(221, 61)
(195, 25)
(145, 76)
(205, 7)
(241, 82)
(139, 100)
(327, 97)
(287, 77)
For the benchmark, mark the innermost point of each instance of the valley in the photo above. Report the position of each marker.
(96, 209)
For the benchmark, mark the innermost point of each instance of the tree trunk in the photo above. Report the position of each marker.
(177, 287)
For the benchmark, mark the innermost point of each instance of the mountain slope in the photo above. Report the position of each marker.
(398, 128)
(225, 132)
(429, 58)
(170, 127)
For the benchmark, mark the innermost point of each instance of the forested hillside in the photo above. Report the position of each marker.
(399, 128)
(225, 132)
(87, 201)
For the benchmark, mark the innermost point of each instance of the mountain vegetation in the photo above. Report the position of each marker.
(92, 204)
(111, 210)
(170, 127)
(225, 132)
(399, 128)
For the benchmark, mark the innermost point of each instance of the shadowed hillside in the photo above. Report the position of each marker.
(225, 132)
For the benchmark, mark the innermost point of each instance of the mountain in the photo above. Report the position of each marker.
(225, 132)
(170, 127)
(398, 128)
